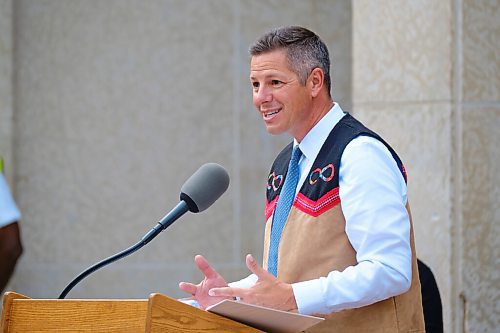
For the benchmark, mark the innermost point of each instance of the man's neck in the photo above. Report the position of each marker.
(319, 108)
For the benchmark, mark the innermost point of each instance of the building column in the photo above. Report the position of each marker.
(402, 61)
(6, 88)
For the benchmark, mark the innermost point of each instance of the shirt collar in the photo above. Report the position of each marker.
(316, 137)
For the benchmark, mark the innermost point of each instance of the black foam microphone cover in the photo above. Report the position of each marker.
(204, 187)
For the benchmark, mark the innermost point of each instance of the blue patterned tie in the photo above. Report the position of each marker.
(285, 202)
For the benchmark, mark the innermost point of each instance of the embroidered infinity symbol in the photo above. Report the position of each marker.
(272, 179)
(322, 173)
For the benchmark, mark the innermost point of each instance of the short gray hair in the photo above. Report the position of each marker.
(305, 50)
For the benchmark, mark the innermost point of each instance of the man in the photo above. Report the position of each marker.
(344, 249)
(10, 242)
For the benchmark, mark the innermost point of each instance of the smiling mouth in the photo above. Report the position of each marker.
(271, 114)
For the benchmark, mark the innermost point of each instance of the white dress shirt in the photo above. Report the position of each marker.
(373, 196)
(8, 209)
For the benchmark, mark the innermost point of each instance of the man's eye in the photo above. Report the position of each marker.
(276, 82)
(255, 85)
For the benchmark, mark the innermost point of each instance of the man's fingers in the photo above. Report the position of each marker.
(254, 267)
(188, 287)
(226, 291)
(205, 267)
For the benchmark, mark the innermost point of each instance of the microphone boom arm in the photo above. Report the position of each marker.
(164, 223)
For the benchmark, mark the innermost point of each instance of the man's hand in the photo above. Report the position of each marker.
(268, 291)
(200, 291)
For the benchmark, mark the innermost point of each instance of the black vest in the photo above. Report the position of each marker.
(319, 192)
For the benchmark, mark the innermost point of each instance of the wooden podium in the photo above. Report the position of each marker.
(157, 314)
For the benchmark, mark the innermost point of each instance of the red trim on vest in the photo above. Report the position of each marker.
(316, 208)
(270, 207)
(405, 175)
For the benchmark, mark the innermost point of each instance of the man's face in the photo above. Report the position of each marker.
(278, 95)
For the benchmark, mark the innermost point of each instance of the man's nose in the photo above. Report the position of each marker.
(262, 95)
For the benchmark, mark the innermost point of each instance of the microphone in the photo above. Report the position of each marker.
(198, 193)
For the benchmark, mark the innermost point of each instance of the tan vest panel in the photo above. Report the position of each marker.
(311, 247)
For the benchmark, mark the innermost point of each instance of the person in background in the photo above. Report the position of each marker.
(10, 236)
(338, 238)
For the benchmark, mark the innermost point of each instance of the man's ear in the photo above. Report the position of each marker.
(316, 80)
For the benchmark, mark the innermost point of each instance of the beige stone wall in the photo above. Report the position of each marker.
(477, 102)
(117, 103)
(425, 76)
(106, 107)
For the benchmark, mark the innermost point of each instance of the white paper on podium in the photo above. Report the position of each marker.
(266, 319)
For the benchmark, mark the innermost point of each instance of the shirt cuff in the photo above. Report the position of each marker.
(309, 296)
(244, 283)
(191, 302)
